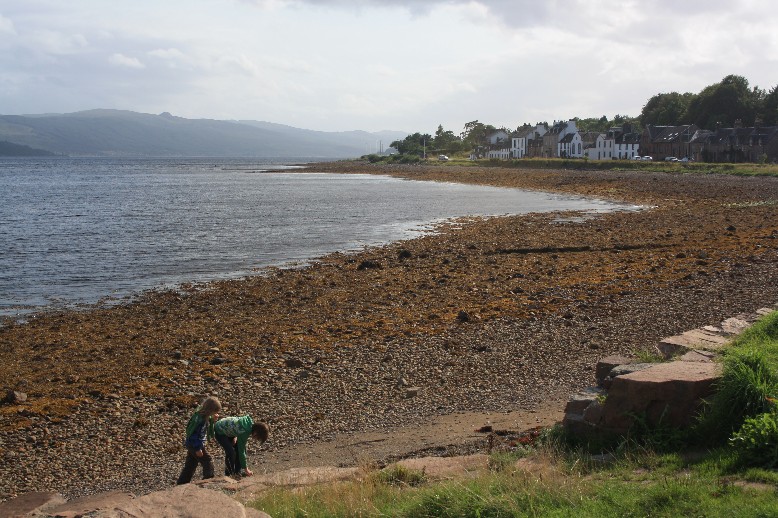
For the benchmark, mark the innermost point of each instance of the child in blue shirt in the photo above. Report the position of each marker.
(198, 430)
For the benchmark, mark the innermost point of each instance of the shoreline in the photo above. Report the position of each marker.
(491, 315)
(385, 210)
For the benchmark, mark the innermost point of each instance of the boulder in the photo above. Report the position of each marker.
(183, 501)
(694, 339)
(667, 393)
(698, 356)
(91, 504)
(14, 397)
(581, 409)
(30, 504)
(621, 370)
(187, 500)
(606, 365)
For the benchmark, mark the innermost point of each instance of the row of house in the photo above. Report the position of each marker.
(737, 144)
(564, 140)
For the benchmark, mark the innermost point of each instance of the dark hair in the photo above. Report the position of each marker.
(260, 431)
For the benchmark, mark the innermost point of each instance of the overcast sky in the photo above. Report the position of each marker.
(405, 65)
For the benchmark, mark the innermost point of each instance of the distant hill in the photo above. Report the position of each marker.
(11, 149)
(125, 133)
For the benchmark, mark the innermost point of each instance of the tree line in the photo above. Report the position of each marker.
(722, 103)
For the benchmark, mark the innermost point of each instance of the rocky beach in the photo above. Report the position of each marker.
(485, 315)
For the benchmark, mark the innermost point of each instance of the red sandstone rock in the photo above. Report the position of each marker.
(668, 393)
(606, 365)
(29, 504)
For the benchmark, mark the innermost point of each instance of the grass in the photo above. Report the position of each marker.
(637, 484)
(699, 479)
(741, 169)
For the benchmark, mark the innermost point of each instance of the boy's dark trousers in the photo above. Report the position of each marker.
(190, 466)
(231, 466)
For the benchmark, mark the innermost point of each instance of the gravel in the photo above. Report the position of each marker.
(334, 348)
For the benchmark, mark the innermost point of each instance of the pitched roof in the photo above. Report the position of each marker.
(590, 136)
(675, 133)
(628, 138)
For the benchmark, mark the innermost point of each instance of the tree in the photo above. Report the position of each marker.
(475, 134)
(724, 103)
(769, 110)
(446, 142)
(413, 144)
(666, 109)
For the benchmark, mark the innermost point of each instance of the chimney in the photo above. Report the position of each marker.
(738, 123)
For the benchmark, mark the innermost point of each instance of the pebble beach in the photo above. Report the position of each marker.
(483, 314)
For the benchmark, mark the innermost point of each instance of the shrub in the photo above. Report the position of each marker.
(741, 393)
(400, 476)
(757, 440)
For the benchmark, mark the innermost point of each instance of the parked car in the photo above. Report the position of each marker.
(670, 159)
(647, 158)
(637, 157)
(443, 158)
(686, 159)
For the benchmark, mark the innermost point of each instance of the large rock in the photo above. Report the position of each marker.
(188, 500)
(30, 504)
(607, 364)
(667, 393)
(91, 504)
(695, 339)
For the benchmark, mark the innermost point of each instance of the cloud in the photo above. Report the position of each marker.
(242, 63)
(7, 26)
(56, 42)
(121, 60)
(168, 54)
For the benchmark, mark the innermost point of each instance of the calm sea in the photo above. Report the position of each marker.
(81, 231)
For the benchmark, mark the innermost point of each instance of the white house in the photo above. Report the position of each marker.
(552, 139)
(571, 146)
(521, 138)
(627, 145)
(499, 145)
(603, 148)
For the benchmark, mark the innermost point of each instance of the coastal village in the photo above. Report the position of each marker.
(563, 139)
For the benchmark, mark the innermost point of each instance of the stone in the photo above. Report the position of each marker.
(594, 412)
(698, 356)
(184, 501)
(411, 392)
(734, 326)
(30, 504)
(621, 370)
(91, 504)
(605, 365)
(294, 363)
(667, 393)
(579, 401)
(694, 339)
(14, 397)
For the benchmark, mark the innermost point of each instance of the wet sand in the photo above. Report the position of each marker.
(486, 317)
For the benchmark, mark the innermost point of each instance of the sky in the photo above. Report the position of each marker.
(404, 65)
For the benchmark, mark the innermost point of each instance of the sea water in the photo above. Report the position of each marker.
(80, 231)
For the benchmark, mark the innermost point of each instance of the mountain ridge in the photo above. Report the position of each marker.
(123, 133)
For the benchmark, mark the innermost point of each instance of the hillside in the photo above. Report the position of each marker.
(125, 133)
(11, 149)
